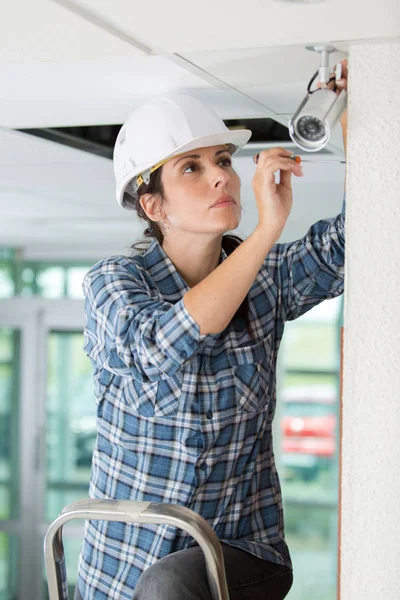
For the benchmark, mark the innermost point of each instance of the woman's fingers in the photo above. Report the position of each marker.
(265, 157)
(274, 163)
(344, 64)
(285, 164)
(262, 156)
(340, 84)
(267, 160)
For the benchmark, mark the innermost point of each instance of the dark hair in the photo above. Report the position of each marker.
(229, 242)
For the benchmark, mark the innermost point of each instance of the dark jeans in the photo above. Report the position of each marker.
(182, 576)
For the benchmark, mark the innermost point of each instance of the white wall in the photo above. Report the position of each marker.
(370, 549)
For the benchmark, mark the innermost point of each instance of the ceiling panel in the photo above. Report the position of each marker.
(44, 31)
(275, 77)
(18, 150)
(104, 91)
(183, 26)
(263, 66)
(43, 179)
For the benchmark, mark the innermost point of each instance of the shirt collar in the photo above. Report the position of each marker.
(164, 273)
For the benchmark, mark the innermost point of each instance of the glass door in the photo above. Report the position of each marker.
(69, 423)
(310, 411)
(47, 432)
(18, 448)
(70, 433)
(9, 490)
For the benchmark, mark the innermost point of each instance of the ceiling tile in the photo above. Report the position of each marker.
(275, 77)
(104, 91)
(19, 150)
(183, 26)
(45, 31)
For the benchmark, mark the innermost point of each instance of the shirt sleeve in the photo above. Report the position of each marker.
(130, 331)
(311, 269)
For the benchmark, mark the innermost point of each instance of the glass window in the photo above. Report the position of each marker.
(38, 279)
(9, 499)
(304, 408)
(7, 254)
(50, 282)
(311, 533)
(328, 311)
(311, 345)
(8, 566)
(9, 347)
(309, 439)
(28, 282)
(71, 421)
(7, 287)
(70, 435)
(75, 277)
(309, 395)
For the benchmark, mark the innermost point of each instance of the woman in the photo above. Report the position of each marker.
(183, 339)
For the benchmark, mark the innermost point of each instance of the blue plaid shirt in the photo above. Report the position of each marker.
(186, 418)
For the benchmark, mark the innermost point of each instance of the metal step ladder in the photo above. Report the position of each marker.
(130, 511)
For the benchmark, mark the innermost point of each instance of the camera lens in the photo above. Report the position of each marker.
(311, 128)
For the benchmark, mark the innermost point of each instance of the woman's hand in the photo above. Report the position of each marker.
(341, 84)
(274, 200)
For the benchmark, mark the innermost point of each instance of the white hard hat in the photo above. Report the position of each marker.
(165, 127)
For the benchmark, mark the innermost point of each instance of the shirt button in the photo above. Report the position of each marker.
(209, 415)
(203, 466)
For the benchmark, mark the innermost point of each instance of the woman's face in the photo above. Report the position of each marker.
(193, 183)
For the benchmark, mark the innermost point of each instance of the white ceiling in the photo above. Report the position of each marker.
(182, 26)
(93, 62)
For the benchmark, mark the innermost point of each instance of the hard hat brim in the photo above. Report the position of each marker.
(238, 138)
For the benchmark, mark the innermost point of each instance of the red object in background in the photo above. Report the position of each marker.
(315, 435)
(308, 430)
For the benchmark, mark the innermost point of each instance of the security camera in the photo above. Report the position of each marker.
(311, 125)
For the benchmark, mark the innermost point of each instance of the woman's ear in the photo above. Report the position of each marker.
(151, 204)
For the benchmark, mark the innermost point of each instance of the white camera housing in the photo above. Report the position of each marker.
(311, 126)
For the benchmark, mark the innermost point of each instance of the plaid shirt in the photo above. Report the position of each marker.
(186, 418)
